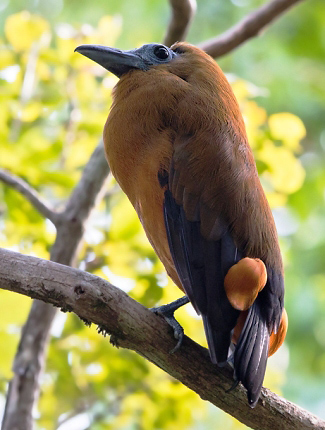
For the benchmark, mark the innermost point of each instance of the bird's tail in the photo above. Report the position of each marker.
(251, 353)
(218, 342)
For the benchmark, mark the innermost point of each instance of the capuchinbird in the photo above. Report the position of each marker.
(176, 143)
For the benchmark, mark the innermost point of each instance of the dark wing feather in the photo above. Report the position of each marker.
(273, 297)
(201, 266)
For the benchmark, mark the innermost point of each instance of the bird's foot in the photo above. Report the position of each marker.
(167, 312)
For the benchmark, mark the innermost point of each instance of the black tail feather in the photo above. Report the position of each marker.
(251, 354)
(218, 343)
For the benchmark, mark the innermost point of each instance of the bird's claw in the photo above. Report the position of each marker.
(178, 332)
(167, 312)
(234, 385)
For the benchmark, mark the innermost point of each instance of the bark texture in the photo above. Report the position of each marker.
(134, 327)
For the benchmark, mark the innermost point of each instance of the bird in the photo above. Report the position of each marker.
(176, 143)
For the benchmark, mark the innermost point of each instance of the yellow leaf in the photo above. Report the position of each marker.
(60, 74)
(276, 199)
(286, 172)
(121, 259)
(109, 29)
(31, 111)
(124, 219)
(85, 85)
(254, 117)
(43, 71)
(14, 309)
(23, 29)
(255, 113)
(65, 50)
(240, 88)
(78, 154)
(8, 158)
(6, 58)
(4, 116)
(287, 127)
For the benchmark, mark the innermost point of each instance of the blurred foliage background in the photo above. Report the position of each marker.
(53, 107)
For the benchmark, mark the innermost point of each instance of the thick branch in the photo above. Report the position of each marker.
(30, 193)
(249, 27)
(182, 14)
(133, 326)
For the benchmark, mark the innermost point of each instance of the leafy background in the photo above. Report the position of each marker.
(53, 107)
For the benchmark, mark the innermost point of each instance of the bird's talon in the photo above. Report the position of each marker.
(178, 344)
(167, 312)
(234, 385)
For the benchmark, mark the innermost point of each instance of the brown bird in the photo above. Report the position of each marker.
(176, 143)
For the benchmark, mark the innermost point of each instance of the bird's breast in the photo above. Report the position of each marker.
(135, 161)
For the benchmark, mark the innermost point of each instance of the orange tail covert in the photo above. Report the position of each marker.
(277, 339)
(176, 143)
(244, 281)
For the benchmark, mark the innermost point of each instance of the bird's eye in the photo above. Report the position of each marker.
(161, 52)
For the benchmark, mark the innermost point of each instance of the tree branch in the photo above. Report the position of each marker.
(132, 326)
(30, 357)
(183, 12)
(30, 193)
(249, 27)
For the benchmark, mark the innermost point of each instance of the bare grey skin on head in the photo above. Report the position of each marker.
(120, 62)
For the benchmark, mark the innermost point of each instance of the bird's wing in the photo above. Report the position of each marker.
(203, 243)
(201, 266)
(200, 238)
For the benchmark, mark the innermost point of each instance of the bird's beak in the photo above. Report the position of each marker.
(114, 60)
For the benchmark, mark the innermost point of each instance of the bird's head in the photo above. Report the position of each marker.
(121, 62)
(165, 75)
(181, 59)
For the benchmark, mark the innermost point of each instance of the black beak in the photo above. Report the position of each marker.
(114, 60)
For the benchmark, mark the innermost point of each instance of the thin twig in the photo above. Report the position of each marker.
(249, 27)
(182, 14)
(133, 326)
(30, 193)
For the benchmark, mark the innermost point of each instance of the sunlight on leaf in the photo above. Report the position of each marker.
(31, 111)
(23, 29)
(286, 173)
(6, 58)
(254, 117)
(287, 127)
(109, 29)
